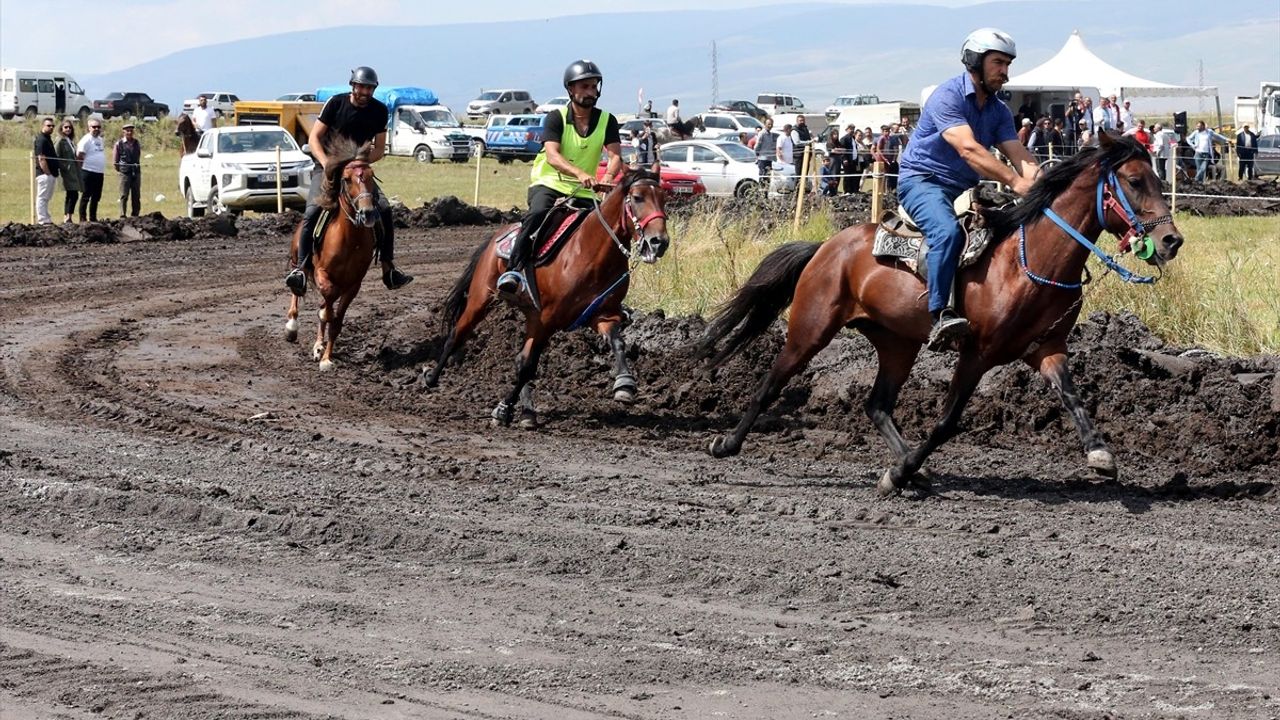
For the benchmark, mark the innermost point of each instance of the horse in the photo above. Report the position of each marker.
(186, 131)
(584, 283)
(344, 251)
(683, 129)
(1021, 297)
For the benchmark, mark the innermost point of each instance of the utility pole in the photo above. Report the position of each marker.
(715, 75)
(1200, 82)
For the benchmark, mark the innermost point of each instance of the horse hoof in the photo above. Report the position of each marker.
(291, 330)
(626, 396)
(528, 421)
(887, 487)
(316, 351)
(501, 415)
(719, 448)
(326, 365)
(1103, 463)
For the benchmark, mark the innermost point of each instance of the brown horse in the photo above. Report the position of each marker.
(584, 283)
(683, 130)
(1021, 298)
(345, 250)
(186, 131)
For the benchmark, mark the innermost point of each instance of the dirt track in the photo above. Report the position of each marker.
(196, 524)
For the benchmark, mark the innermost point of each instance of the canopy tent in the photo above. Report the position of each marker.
(1075, 66)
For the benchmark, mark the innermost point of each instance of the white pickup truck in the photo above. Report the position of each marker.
(427, 132)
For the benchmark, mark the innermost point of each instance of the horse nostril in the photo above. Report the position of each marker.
(1175, 242)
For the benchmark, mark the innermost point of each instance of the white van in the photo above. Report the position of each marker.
(41, 92)
(776, 103)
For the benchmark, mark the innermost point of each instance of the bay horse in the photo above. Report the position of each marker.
(344, 251)
(684, 128)
(585, 283)
(186, 131)
(1021, 298)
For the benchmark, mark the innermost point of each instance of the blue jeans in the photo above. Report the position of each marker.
(932, 207)
(1202, 165)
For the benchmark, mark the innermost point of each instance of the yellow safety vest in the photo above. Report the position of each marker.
(582, 152)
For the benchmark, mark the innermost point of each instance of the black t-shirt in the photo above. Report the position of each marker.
(359, 125)
(44, 147)
(553, 127)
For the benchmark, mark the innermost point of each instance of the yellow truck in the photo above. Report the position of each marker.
(295, 117)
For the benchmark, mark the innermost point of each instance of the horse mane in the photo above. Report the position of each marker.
(342, 152)
(1055, 180)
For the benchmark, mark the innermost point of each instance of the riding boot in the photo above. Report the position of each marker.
(296, 280)
(391, 277)
(949, 330)
(520, 272)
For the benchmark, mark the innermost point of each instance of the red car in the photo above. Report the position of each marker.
(678, 185)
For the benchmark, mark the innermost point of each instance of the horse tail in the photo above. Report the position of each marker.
(456, 302)
(759, 302)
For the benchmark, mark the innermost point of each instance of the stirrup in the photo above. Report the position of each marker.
(510, 282)
(948, 331)
(296, 281)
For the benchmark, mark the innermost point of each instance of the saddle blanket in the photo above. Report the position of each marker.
(893, 240)
(563, 220)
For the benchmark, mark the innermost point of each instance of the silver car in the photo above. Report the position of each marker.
(1267, 159)
(505, 102)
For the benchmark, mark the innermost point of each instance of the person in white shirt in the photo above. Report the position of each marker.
(1126, 117)
(202, 117)
(673, 113)
(1201, 141)
(1162, 142)
(786, 151)
(92, 154)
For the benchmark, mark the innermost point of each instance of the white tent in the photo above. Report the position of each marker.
(1075, 67)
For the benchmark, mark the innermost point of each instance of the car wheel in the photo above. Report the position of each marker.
(423, 154)
(477, 148)
(215, 202)
(161, 114)
(192, 210)
(83, 114)
(505, 159)
(746, 188)
(30, 114)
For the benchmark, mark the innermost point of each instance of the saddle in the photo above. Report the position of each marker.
(565, 216)
(322, 223)
(898, 237)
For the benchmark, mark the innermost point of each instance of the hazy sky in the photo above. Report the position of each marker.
(97, 36)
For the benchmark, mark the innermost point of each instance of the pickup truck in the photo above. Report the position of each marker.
(518, 138)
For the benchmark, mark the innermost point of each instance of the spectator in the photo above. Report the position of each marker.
(1140, 134)
(766, 149)
(1126, 116)
(1061, 138)
(93, 164)
(69, 168)
(802, 139)
(673, 113)
(1086, 135)
(1024, 132)
(1163, 143)
(1201, 142)
(46, 170)
(1246, 149)
(864, 152)
(127, 158)
(849, 142)
(830, 180)
(885, 151)
(1104, 117)
(1086, 113)
(648, 109)
(202, 117)
(1038, 140)
(646, 144)
(786, 152)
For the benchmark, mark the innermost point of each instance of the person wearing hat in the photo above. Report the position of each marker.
(360, 118)
(1024, 132)
(126, 156)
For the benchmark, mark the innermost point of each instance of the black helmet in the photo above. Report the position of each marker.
(581, 70)
(364, 75)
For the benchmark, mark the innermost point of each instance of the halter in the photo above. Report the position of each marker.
(637, 229)
(353, 201)
(1110, 196)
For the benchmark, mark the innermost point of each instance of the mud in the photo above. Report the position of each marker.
(195, 523)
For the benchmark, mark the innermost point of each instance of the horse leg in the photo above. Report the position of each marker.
(624, 383)
(964, 381)
(528, 413)
(896, 357)
(807, 333)
(323, 315)
(291, 319)
(526, 370)
(476, 311)
(1052, 365)
(333, 328)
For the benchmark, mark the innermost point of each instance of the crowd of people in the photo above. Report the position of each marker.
(81, 165)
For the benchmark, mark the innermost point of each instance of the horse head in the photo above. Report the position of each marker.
(349, 183)
(643, 214)
(1131, 202)
(186, 129)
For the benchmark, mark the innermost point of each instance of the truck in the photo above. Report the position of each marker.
(295, 117)
(518, 138)
(418, 126)
(1262, 112)
(873, 115)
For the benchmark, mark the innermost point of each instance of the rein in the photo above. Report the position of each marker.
(1107, 193)
(349, 207)
(637, 229)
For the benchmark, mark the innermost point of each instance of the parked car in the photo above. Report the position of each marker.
(775, 103)
(41, 92)
(129, 104)
(519, 138)
(554, 103)
(627, 130)
(678, 184)
(221, 103)
(1267, 160)
(725, 168)
(742, 106)
(848, 101)
(297, 97)
(233, 169)
(507, 102)
(720, 124)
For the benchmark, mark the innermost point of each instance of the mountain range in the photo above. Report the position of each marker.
(812, 50)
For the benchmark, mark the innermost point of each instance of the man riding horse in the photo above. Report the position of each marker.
(359, 118)
(945, 157)
(572, 141)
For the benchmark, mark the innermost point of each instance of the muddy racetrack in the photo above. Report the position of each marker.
(195, 523)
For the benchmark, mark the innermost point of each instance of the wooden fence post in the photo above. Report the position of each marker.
(803, 181)
(877, 190)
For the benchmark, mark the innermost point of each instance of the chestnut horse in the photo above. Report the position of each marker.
(186, 131)
(584, 283)
(344, 251)
(1021, 298)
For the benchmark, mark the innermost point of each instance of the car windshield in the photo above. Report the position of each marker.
(114, 96)
(492, 95)
(438, 118)
(748, 122)
(206, 96)
(737, 151)
(256, 141)
(558, 101)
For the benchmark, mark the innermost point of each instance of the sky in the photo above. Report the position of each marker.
(128, 32)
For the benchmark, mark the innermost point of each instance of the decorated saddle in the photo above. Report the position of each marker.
(562, 220)
(898, 237)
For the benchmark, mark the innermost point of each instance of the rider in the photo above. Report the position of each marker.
(947, 154)
(359, 118)
(572, 140)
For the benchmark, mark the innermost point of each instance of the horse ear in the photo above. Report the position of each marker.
(1105, 140)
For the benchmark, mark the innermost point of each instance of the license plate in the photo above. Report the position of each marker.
(682, 189)
(267, 178)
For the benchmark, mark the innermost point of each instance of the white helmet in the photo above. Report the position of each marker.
(982, 41)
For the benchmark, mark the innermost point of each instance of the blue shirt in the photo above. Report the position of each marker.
(952, 104)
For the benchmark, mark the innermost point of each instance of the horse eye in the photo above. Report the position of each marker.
(637, 198)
